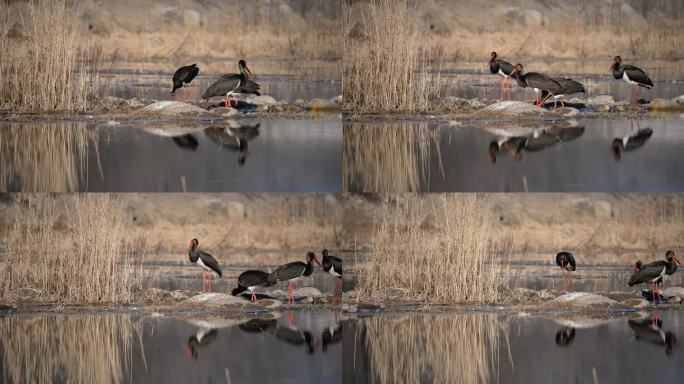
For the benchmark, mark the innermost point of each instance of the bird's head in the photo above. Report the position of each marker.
(311, 257)
(242, 64)
(670, 255)
(617, 60)
(325, 253)
(492, 56)
(517, 69)
(193, 244)
(638, 265)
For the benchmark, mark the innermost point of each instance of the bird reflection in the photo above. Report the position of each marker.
(258, 325)
(536, 141)
(636, 138)
(650, 329)
(330, 336)
(186, 141)
(565, 336)
(202, 338)
(295, 336)
(234, 138)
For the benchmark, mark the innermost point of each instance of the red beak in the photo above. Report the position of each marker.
(611, 66)
(247, 69)
(677, 260)
(512, 72)
(316, 260)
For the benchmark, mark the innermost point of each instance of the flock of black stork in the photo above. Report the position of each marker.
(229, 85)
(557, 87)
(250, 280)
(651, 273)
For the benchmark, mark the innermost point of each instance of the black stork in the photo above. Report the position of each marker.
(294, 271)
(634, 140)
(184, 75)
(333, 266)
(233, 84)
(634, 76)
(204, 260)
(650, 330)
(569, 86)
(566, 262)
(234, 138)
(653, 272)
(504, 69)
(200, 339)
(187, 141)
(537, 81)
(331, 335)
(250, 280)
(565, 336)
(295, 336)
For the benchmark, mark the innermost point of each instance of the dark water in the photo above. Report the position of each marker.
(257, 156)
(474, 348)
(304, 347)
(568, 156)
(470, 80)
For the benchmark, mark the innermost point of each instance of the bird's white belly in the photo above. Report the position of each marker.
(332, 272)
(627, 79)
(502, 74)
(204, 266)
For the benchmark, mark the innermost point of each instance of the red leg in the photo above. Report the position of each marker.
(502, 90)
(209, 282)
(253, 298)
(508, 87)
(562, 104)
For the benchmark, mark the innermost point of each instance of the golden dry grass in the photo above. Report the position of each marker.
(401, 165)
(73, 349)
(441, 348)
(382, 69)
(439, 251)
(44, 156)
(47, 67)
(78, 256)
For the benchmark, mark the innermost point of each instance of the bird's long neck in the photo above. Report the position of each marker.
(193, 254)
(309, 268)
(243, 74)
(671, 267)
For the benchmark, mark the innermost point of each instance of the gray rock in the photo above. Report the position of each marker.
(636, 303)
(261, 108)
(322, 105)
(665, 105)
(600, 100)
(307, 292)
(218, 299)
(299, 102)
(603, 108)
(673, 291)
(567, 111)
(515, 108)
(174, 108)
(306, 300)
(584, 300)
(679, 99)
(263, 100)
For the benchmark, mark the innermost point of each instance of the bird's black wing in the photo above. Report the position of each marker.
(543, 82)
(289, 271)
(337, 263)
(223, 85)
(638, 75)
(645, 274)
(210, 262)
(570, 86)
(505, 66)
(249, 86)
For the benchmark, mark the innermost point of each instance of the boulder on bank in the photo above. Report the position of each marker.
(600, 100)
(262, 100)
(664, 105)
(584, 300)
(299, 293)
(323, 105)
(218, 299)
(515, 108)
(174, 108)
(673, 291)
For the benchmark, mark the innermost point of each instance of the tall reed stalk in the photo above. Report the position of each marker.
(46, 66)
(383, 70)
(437, 251)
(85, 261)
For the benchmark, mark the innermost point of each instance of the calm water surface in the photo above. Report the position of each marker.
(597, 155)
(257, 156)
(268, 348)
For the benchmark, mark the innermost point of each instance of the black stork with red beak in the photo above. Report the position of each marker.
(333, 266)
(539, 82)
(650, 330)
(184, 75)
(250, 280)
(632, 75)
(653, 272)
(504, 69)
(294, 271)
(233, 84)
(204, 260)
(566, 262)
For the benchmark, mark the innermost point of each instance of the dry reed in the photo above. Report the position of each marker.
(435, 348)
(382, 69)
(71, 349)
(439, 251)
(46, 66)
(44, 156)
(76, 256)
(402, 163)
